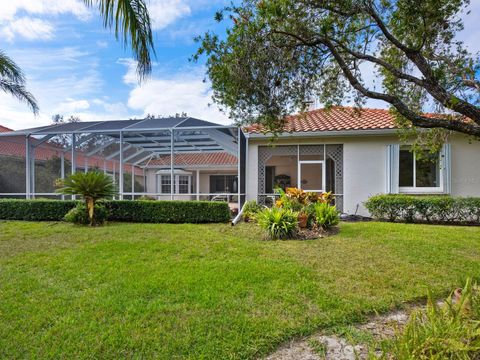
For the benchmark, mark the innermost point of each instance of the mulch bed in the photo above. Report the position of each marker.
(311, 234)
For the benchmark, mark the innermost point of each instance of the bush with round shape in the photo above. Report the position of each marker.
(326, 215)
(79, 215)
(279, 223)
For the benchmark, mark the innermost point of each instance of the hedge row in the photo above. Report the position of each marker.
(131, 211)
(430, 209)
(35, 210)
(168, 211)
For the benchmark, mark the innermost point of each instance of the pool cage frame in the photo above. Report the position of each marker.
(151, 138)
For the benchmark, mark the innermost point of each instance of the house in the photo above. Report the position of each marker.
(198, 176)
(354, 154)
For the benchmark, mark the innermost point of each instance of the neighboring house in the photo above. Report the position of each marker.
(205, 175)
(356, 155)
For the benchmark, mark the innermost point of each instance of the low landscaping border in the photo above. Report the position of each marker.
(425, 209)
(120, 210)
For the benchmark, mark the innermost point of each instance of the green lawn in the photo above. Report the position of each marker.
(208, 291)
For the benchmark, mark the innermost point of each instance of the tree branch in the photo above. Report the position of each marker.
(431, 84)
(396, 72)
(402, 108)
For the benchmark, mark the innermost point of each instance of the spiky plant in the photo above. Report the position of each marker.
(92, 186)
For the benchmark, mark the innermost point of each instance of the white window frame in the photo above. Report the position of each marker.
(176, 184)
(299, 174)
(424, 190)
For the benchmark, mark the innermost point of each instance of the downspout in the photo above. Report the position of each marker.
(237, 218)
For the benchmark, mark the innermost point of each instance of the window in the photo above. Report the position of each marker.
(419, 172)
(223, 184)
(165, 184)
(183, 184)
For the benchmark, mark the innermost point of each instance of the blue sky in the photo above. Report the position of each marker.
(75, 67)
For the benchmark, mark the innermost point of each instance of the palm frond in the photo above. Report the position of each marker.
(12, 81)
(92, 184)
(10, 70)
(131, 22)
(20, 92)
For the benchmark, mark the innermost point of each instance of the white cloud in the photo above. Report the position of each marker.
(71, 106)
(183, 91)
(130, 77)
(28, 28)
(63, 80)
(165, 12)
(10, 8)
(102, 44)
(35, 26)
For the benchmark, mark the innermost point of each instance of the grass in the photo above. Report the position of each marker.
(209, 291)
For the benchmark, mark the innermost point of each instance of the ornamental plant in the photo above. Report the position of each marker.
(304, 203)
(91, 186)
(326, 215)
(280, 223)
(250, 210)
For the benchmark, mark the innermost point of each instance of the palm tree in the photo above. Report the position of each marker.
(92, 186)
(130, 20)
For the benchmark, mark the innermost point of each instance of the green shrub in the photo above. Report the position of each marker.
(435, 209)
(146, 198)
(79, 215)
(250, 209)
(131, 211)
(448, 331)
(326, 215)
(168, 211)
(279, 223)
(35, 210)
(92, 186)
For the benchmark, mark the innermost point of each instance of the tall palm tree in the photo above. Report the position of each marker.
(130, 20)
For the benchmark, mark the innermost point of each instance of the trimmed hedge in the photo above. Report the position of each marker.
(35, 210)
(429, 209)
(168, 211)
(131, 211)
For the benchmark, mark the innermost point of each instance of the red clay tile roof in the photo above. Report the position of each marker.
(14, 146)
(4, 129)
(337, 118)
(204, 159)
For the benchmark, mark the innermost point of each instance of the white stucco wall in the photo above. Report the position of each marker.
(365, 166)
(465, 167)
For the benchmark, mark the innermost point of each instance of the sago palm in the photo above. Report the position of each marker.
(92, 186)
(130, 20)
